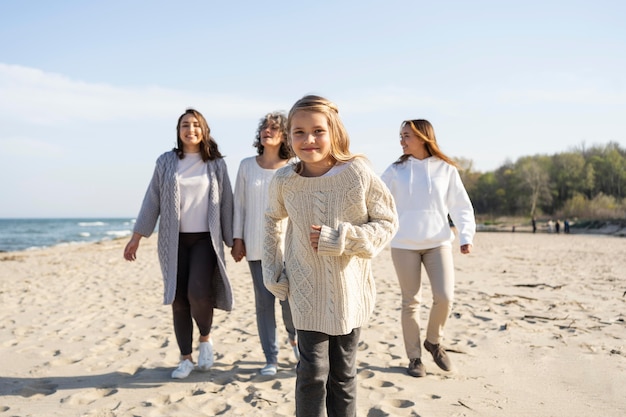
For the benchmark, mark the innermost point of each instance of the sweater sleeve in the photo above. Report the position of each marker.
(226, 203)
(274, 277)
(151, 206)
(239, 201)
(368, 239)
(461, 209)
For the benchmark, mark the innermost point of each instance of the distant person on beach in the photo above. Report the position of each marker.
(251, 188)
(557, 226)
(534, 224)
(340, 215)
(566, 226)
(191, 196)
(426, 186)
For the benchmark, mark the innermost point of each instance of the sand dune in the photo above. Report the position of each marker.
(538, 328)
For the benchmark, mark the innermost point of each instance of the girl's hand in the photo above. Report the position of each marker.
(314, 236)
(465, 249)
(238, 250)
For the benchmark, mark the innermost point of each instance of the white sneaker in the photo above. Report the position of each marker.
(269, 369)
(184, 369)
(205, 356)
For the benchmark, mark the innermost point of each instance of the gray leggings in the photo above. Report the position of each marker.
(194, 300)
(266, 315)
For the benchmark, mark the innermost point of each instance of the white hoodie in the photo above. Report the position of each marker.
(426, 191)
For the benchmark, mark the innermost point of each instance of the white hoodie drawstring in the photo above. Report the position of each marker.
(412, 176)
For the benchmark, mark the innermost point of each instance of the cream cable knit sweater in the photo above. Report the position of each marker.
(332, 290)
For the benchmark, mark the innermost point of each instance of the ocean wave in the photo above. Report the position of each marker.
(91, 224)
(118, 233)
(28, 234)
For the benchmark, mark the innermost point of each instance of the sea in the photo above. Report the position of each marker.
(29, 234)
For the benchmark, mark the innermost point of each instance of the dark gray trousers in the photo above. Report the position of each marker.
(326, 374)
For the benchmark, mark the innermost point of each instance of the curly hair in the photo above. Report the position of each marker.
(280, 119)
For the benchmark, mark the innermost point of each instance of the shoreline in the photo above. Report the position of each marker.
(35, 234)
(609, 230)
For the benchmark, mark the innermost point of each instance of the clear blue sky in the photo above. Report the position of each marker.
(90, 91)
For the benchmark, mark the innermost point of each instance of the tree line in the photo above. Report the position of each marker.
(584, 183)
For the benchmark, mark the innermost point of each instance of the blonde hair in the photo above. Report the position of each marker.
(339, 139)
(426, 132)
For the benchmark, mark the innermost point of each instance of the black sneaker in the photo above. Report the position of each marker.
(439, 355)
(416, 368)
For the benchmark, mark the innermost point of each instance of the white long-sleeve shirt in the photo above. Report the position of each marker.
(425, 192)
(193, 183)
(251, 195)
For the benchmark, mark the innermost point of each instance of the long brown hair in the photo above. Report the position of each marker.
(208, 148)
(426, 132)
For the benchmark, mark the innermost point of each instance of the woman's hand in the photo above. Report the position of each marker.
(130, 251)
(238, 250)
(465, 249)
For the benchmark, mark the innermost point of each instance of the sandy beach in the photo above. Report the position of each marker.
(538, 328)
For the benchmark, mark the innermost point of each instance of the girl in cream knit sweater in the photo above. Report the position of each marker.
(340, 215)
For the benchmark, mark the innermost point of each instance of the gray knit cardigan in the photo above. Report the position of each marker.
(163, 200)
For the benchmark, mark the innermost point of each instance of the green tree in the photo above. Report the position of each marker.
(609, 164)
(534, 182)
(567, 176)
(484, 194)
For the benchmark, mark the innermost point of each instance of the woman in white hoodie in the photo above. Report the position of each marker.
(427, 188)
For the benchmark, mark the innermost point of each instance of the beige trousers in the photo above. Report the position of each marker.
(439, 267)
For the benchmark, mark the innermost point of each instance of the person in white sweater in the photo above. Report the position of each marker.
(340, 215)
(191, 197)
(427, 188)
(251, 188)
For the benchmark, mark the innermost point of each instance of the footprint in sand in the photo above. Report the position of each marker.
(157, 402)
(393, 404)
(61, 360)
(366, 374)
(105, 412)
(380, 386)
(88, 396)
(154, 342)
(390, 407)
(131, 368)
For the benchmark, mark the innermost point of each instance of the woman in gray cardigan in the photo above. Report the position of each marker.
(191, 197)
